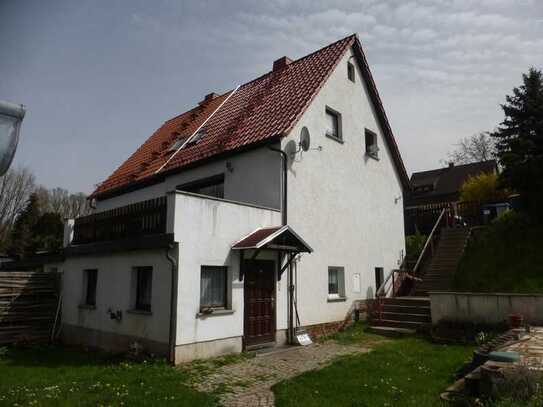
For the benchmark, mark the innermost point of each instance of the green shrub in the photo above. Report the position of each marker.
(414, 245)
(506, 257)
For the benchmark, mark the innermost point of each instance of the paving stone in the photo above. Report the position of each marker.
(248, 383)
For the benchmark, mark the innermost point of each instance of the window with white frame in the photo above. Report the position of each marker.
(372, 149)
(143, 287)
(213, 286)
(336, 282)
(333, 124)
(90, 281)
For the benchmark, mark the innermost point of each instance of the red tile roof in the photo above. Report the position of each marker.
(263, 109)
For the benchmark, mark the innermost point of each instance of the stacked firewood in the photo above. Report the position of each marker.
(29, 304)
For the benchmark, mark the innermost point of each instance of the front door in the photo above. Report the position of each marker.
(259, 288)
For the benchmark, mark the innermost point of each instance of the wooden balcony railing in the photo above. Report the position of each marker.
(135, 220)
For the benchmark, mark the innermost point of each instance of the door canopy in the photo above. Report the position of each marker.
(279, 238)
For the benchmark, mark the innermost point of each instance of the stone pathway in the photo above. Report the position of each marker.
(248, 383)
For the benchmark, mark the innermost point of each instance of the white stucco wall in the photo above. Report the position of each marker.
(206, 229)
(114, 290)
(256, 178)
(342, 202)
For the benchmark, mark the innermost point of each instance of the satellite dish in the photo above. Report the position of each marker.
(305, 139)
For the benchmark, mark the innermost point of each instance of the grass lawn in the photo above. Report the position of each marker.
(398, 372)
(53, 376)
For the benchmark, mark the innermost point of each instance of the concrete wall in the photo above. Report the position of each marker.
(93, 326)
(206, 229)
(487, 308)
(256, 178)
(343, 203)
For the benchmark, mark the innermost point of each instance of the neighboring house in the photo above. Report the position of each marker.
(434, 189)
(205, 241)
(443, 184)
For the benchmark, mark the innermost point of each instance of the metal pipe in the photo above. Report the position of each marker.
(284, 160)
(173, 303)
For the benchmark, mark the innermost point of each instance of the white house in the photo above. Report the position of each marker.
(198, 236)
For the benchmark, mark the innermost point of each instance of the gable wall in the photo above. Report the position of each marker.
(342, 202)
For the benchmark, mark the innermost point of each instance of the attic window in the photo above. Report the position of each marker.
(175, 146)
(424, 188)
(197, 137)
(350, 71)
(372, 150)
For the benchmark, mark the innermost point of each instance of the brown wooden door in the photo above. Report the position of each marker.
(259, 288)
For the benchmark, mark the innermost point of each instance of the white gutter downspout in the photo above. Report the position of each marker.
(197, 130)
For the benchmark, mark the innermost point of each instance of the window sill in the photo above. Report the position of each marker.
(335, 138)
(215, 313)
(86, 306)
(139, 312)
(373, 156)
(336, 299)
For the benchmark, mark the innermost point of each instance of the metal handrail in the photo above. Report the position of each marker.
(428, 241)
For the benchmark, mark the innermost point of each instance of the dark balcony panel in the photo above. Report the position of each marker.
(135, 220)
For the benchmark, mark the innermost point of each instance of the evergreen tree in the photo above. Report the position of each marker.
(47, 233)
(22, 239)
(520, 142)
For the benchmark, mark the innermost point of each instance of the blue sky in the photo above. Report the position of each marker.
(98, 77)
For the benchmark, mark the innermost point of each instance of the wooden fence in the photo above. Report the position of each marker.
(29, 302)
(138, 219)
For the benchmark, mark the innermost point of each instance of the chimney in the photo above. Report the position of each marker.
(451, 164)
(281, 63)
(209, 97)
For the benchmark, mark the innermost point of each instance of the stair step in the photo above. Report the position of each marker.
(391, 331)
(402, 317)
(408, 301)
(401, 324)
(406, 309)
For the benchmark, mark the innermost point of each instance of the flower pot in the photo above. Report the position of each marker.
(515, 320)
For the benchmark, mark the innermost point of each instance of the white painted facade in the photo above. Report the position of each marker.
(346, 206)
(255, 177)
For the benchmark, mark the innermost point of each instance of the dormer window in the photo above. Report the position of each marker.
(178, 143)
(372, 149)
(350, 71)
(333, 124)
(197, 137)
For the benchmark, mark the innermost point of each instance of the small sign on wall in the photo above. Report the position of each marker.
(356, 283)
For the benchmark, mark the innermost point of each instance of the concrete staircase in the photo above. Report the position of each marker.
(402, 316)
(406, 315)
(439, 273)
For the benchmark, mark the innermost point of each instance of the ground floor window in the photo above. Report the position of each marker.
(90, 283)
(213, 287)
(336, 282)
(144, 288)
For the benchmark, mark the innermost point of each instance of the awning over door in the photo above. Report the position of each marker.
(280, 238)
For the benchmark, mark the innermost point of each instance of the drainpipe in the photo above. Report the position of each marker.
(284, 220)
(284, 183)
(173, 303)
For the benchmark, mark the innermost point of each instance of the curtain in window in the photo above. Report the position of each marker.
(213, 287)
(333, 282)
(144, 288)
(331, 124)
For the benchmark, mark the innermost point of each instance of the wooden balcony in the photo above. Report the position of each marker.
(140, 219)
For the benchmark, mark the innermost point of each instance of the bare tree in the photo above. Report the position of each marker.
(479, 147)
(15, 189)
(59, 200)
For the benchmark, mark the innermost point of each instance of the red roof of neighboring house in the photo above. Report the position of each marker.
(261, 110)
